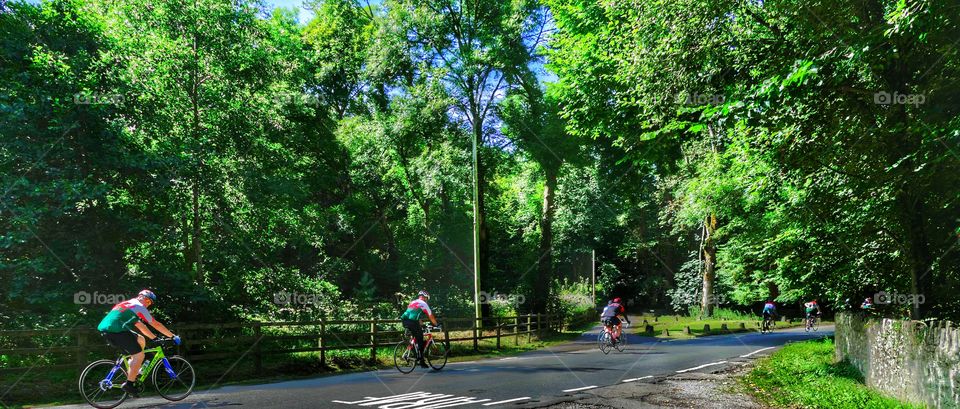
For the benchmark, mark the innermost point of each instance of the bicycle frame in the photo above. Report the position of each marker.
(427, 340)
(157, 356)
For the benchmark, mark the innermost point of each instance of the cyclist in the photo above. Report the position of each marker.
(867, 304)
(812, 310)
(769, 311)
(416, 310)
(117, 328)
(610, 317)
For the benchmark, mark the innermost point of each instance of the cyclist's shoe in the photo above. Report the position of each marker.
(130, 389)
(423, 364)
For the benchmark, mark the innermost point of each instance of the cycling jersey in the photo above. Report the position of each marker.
(124, 315)
(416, 310)
(811, 307)
(769, 308)
(612, 310)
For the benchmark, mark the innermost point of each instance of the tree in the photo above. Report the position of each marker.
(471, 45)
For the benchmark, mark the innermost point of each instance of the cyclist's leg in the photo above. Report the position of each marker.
(136, 360)
(131, 344)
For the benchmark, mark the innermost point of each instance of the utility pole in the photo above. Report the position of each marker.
(476, 233)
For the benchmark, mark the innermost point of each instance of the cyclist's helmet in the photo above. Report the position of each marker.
(616, 300)
(148, 294)
(423, 293)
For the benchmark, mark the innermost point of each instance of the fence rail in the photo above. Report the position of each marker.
(26, 350)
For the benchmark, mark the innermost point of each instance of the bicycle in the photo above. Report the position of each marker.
(813, 322)
(405, 353)
(100, 381)
(605, 339)
(768, 324)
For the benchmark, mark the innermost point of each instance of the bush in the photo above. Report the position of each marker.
(574, 301)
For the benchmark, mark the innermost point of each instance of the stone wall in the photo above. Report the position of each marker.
(912, 360)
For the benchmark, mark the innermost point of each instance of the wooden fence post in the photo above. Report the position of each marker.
(498, 333)
(373, 341)
(323, 349)
(539, 326)
(476, 324)
(516, 330)
(257, 353)
(529, 332)
(81, 349)
(446, 336)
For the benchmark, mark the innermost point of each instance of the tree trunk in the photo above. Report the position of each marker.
(545, 263)
(198, 264)
(709, 263)
(483, 241)
(195, 128)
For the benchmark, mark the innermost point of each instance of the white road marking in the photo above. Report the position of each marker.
(580, 389)
(701, 366)
(636, 379)
(759, 350)
(506, 401)
(419, 400)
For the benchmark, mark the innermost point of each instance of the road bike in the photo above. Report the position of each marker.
(172, 376)
(813, 323)
(767, 324)
(605, 339)
(405, 353)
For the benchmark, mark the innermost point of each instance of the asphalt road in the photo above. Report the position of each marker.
(532, 379)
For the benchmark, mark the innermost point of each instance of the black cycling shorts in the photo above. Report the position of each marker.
(611, 321)
(126, 341)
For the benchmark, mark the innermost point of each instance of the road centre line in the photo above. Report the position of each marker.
(701, 366)
(759, 350)
(580, 389)
(636, 379)
(506, 401)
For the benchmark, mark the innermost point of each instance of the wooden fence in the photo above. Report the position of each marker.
(52, 349)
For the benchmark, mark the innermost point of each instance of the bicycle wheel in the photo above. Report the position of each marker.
(621, 343)
(816, 324)
(603, 341)
(99, 391)
(403, 358)
(809, 325)
(437, 355)
(175, 387)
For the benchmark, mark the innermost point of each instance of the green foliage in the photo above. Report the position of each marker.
(574, 301)
(821, 186)
(804, 374)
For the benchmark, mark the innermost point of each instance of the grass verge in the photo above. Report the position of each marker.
(804, 375)
(676, 326)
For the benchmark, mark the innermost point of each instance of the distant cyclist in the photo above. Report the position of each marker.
(611, 317)
(117, 328)
(812, 309)
(769, 312)
(416, 311)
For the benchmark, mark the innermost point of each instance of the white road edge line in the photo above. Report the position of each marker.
(580, 389)
(636, 379)
(759, 350)
(506, 401)
(701, 366)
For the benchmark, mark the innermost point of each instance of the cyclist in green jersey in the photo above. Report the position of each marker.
(416, 311)
(117, 328)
